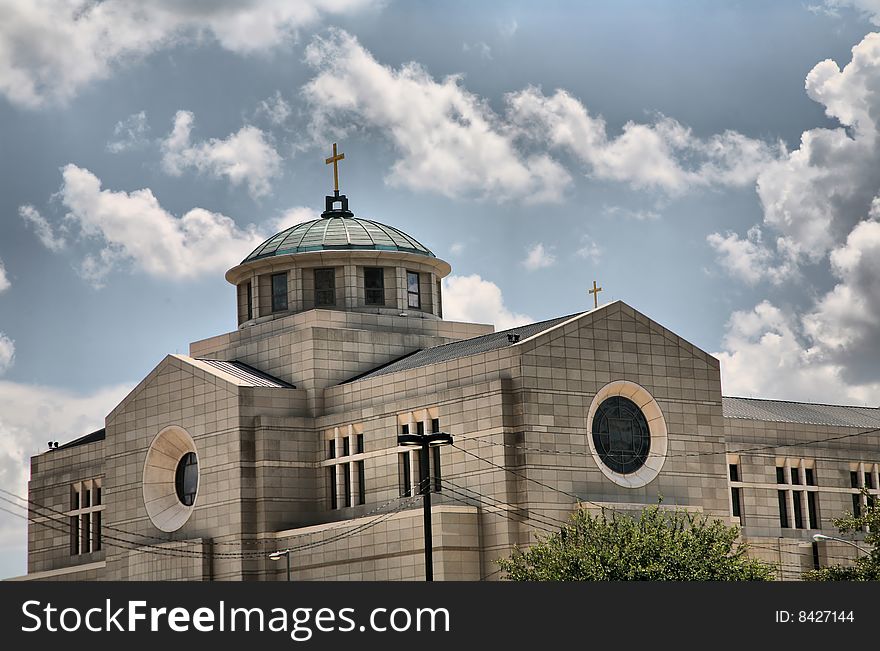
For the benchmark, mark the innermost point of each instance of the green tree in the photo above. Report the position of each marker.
(658, 545)
(867, 565)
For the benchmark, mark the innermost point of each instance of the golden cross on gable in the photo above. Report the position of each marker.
(595, 292)
(335, 158)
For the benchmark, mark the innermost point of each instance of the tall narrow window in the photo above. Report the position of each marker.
(856, 497)
(812, 510)
(279, 292)
(869, 480)
(780, 475)
(346, 482)
(346, 449)
(420, 428)
(810, 475)
(85, 517)
(374, 285)
(798, 511)
(438, 482)
(331, 474)
(783, 509)
(325, 287)
(96, 531)
(74, 535)
(405, 475)
(795, 476)
(413, 298)
(332, 451)
(85, 546)
(439, 300)
(435, 425)
(360, 443)
(362, 483)
(250, 300)
(735, 492)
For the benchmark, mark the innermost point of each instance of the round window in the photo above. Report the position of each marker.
(186, 478)
(621, 435)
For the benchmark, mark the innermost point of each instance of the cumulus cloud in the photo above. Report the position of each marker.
(42, 228)
(50, 49)
(30, 416)
(589, 249)
(663, 155)
(472, 299)
(7, 353)
(539, 257)
(869, 9)
(829, 353)
(4, 281)
(243, 157)
(751, 260)
(294, 216)
(448, 139)
(133, 226)
(130, 133)
(275, 109)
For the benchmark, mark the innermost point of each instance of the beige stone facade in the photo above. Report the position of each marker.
(294, 419)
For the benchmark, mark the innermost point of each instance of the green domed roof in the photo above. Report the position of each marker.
(335, 233)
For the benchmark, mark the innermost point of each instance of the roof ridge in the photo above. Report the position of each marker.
(801, 402)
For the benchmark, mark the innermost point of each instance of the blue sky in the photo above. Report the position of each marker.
(713, 164)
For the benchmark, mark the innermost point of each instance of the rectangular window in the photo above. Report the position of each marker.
(325, 287)
(86, 530)
(438, 484)
(854, 479)
(87, 498)
(435, 425)
(360, 443)
(96, 531)
(250, 301)
(811, 509)
(97, 492)
(374, 285)
(798, 511)
(413, 299)
(811, 477)
(780, 475)
(346, 481)
(332, 452)
(420, 428)
(439, 301)
(362, 483)
(279, 292)
(332, 477)
(75, 500)
(405, 476)
(735, 501)
(734, 472)
(869, 480)
(795, 476)
(404, 429)
(346, 449)
(857, 504)
(74, 535)
(783, 509)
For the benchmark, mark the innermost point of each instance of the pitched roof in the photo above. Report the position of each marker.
(784, 411)
(463, 348)
(95, 436)
(238, 373)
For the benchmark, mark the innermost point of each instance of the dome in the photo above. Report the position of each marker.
(335, 233)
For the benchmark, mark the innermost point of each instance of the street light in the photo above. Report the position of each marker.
(285, 553)
(821, 536)
(426, 442)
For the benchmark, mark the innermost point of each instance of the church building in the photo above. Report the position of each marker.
(278, 442)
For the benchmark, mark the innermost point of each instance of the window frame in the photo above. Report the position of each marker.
(279, 305)
(326, 291)
(371, 293)
(410, 293)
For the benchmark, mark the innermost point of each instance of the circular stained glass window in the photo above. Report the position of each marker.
(621, 435)
(186, 478)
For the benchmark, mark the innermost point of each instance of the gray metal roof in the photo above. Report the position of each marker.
(338, 233)
(248, 375)
(456, 349)
(783, 411)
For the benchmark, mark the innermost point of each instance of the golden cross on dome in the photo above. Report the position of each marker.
(595, 292)
(335, 158)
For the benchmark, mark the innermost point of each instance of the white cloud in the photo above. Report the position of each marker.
(130, 133)
(7, 353)
(480, 48)
(829, 354)
(294, 216)
(869, 9)
(449, 140)
(472, 299)
(539, 257)
(508, 28)
(243, 157)
(42, 228)
(664, 155)
(640, 214)
(457, 248)
(4, 281)
(30, 416)
(276, 109)
(50, 49)
(589, 249)
(134, 227)
(751, 260)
